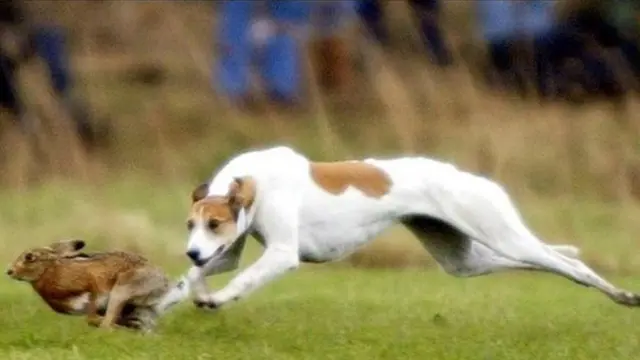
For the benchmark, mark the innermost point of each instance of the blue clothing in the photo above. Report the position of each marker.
(291, 11)
(234, 52)
(497, 19)
(50, 44)
(279, 60)
(505, 19)
(537, 17)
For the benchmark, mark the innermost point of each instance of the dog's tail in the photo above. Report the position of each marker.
(567, 250)
(177, 293)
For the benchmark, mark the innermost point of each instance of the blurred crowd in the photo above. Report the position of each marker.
(556, 47)
(553, 46)
(27, 33)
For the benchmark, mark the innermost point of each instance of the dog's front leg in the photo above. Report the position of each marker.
(228, 262)
(274, 262)
(278, 225)
(198, 287)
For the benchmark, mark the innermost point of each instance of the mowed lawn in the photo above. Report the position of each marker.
(320, 313)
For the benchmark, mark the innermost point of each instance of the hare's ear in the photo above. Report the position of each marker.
(68, 247)
(242, 192)
(200, 192)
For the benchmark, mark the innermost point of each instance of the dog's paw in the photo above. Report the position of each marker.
(206, 304)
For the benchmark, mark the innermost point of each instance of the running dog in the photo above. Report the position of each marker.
(305, 211)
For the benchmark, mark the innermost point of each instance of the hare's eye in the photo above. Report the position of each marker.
(29, 257)
(190, 225)
(212, 224)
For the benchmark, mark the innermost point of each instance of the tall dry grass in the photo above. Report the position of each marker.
(178, 131)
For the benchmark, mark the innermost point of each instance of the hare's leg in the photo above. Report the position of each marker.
(93, 317)
(137, 287)
(118, 298)
(128, 316)
(142, 318)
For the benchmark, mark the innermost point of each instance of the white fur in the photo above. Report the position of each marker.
(80, 303)
(296, 221)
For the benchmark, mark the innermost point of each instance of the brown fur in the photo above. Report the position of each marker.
(223, 210)
(200, 192)
(336, 177)
(60, 273)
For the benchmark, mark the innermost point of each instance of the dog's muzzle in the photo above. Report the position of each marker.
(195, 256)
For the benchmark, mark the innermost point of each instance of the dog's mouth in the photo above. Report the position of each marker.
(202, 262)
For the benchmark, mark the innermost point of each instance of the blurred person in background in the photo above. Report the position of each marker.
(281, 64)
(13, 50)
(613, 24)
(29, 30)
(371, 13)
(333, 21)
(234, 50)
(426, 14)
(265, 36)
(499, 28)
(540, 35)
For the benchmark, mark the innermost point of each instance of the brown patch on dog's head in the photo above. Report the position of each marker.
(220, 213)
(336, 177)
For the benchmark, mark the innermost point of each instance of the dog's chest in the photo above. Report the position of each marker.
(327, 237)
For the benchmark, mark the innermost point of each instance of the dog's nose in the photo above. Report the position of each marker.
(194, 255)
(9, 272)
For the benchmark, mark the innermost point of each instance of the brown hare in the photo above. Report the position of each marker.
(111, 289)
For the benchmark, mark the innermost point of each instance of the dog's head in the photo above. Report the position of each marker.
(30, 265)
(215, 222)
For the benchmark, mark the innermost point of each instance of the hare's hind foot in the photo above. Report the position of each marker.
(141, 319)
(94, 321)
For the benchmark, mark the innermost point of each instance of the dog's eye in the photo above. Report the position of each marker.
(29, 257)
(190, 225)
(212, 224)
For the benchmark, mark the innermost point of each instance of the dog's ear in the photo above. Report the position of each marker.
(200, 192)
(242, 192)
(68, 247)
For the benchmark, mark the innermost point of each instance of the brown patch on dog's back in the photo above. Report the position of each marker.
(336, 177)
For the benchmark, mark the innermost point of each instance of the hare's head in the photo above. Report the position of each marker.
(32, 263)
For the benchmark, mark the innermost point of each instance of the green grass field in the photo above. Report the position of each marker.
(323, 311)
(352, 314)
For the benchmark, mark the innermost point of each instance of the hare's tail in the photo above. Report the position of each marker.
(177, 292)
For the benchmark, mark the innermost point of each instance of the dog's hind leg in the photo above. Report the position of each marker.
(461, 256)
(457, 253)
(577, 271)
(518, 243)
(513, 239)
(566, 250)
